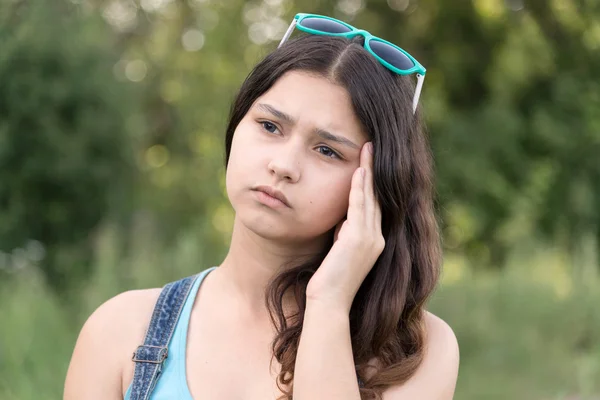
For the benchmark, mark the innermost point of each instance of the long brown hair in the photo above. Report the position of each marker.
(387, 315)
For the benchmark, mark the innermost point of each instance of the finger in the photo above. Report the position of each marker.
(366, 161)
(356, 206)
(371, 184)
(378, 216)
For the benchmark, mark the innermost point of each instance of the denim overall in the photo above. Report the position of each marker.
(150, 357)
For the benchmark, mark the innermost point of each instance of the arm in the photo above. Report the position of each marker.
(94, 371)
(105, 345)
(325, 367)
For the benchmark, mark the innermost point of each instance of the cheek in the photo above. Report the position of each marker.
(329, 200)
(240, 151)
(245, 152)
(239, 165)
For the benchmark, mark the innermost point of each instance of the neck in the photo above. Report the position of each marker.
(251, 263)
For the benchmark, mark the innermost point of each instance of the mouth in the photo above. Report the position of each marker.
(271, 196)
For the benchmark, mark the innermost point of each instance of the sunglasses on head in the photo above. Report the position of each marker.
(391, 56)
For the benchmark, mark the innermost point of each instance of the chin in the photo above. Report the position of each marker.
(264, 225)
(278, 231)
(275, 229)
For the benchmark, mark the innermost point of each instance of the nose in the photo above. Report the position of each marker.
(285, 163)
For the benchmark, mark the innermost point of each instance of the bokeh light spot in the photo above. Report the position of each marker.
(398, 5)
(192, 40)
(157, 156)
(136, 70)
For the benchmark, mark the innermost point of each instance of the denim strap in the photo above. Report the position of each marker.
(150, 356)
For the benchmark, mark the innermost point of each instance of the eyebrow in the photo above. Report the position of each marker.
(320, 132)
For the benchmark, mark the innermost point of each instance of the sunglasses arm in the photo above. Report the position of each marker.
(420, 79)
(288, 33)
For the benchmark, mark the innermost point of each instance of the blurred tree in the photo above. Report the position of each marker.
(65, 150)
(512, 98)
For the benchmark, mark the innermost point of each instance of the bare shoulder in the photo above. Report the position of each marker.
(437, 375)
(105, 345)
(440, 336)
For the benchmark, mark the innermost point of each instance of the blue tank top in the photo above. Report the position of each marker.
(172, 383)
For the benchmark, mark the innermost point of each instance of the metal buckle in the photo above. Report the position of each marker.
(163, 354)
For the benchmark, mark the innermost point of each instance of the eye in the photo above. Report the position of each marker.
(268, 126)
(327, 152)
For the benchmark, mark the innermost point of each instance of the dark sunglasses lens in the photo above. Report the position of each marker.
(324, 25)
(391, 54)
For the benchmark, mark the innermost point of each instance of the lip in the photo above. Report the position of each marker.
(274, 193)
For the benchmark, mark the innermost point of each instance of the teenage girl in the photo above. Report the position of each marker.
(334, 252)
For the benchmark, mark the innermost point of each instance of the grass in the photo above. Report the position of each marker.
(522, 334)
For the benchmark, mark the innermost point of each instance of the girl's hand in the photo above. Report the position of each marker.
(358, 242)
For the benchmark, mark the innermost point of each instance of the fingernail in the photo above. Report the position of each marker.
(370, 147)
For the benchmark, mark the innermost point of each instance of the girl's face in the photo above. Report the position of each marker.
(302, 138)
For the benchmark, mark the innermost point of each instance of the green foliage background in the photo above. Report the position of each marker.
(112, 116)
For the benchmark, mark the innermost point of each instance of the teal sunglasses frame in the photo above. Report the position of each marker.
(416, 69)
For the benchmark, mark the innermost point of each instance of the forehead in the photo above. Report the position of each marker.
(315, 102)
